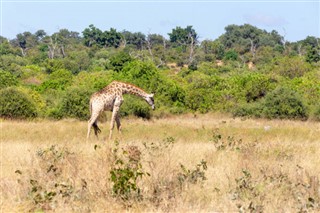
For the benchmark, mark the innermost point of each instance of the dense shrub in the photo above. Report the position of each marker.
(231, 55)
(58, 80)
(315, 113)
(16, 104)
(75, 103)
(284, 103)
(7, 79)
(93, 80)
(136, 107)
(119, 60)
(142, 74)
(291, 67)
(250, 86)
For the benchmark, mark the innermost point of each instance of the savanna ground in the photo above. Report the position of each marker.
(203, 163)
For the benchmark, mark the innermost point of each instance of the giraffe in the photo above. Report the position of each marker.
(111, 98)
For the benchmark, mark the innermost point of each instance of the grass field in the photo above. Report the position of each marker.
(203, 163)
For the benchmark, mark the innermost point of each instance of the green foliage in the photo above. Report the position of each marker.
(142, 74)
(284, 103)
(16, 104)
(12, 64)
(204, 93)
(32, 71)
(92, 36)
(250, 86)
(51, 64)
(134, 40)
(254, 109)
(136, 107)
(125, 173)
(183, 36)
(291, 67)
(225, 143)
(112, 38)
(245, 38)
(75, 103)
(119, 60)
(58, 80)
(77, 62)
(313, 54)
(231, 55)
(93, 80)
(193, 176)
(7, 79)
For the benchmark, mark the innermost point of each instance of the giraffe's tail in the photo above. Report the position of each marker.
(96, 129)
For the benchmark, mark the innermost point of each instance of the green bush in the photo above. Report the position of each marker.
(16, 104)
(93, 80)
(119, 60)
(7, 79)
(291, 67)
(75, 103)
(248, 110)
(136, 107)
(284, 103)
(142, 74)
(231, 55)
(250, 86)
(58, 80)
(315, 112)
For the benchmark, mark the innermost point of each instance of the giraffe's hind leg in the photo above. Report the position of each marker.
(118, 123)
(113, 120)
(93, 122)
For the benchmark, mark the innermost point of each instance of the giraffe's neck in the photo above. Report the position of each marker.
(131, 89)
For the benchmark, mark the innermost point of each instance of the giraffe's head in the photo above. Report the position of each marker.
(150, 100)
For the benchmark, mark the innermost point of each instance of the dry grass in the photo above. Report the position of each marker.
(252, 165)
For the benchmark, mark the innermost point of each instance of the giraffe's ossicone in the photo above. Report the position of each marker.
(111, 98)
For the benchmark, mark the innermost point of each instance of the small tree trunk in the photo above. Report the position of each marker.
(191, 50)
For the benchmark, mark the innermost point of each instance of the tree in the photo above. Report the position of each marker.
(92, 36)
(25, 41)
(213, 47)
(184, 37)
(247, 38)
(136, 39)
(313, 54)
(119, 60)
(5, 47)
(112, 38)
(40, 34)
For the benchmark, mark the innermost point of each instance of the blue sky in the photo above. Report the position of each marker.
(293, 19)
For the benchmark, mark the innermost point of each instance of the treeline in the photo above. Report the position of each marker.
(247, 71)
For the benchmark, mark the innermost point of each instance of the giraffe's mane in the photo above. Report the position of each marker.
(128, 84)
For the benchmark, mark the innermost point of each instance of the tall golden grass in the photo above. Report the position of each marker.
(252, 165)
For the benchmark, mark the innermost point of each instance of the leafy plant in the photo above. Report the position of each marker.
(125, 173)
(7, 79)
(75, 103)
(228, 143)
(193, 176)
(284, 103)
(16, 104)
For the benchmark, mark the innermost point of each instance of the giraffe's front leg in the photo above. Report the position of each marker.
(113, 119)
